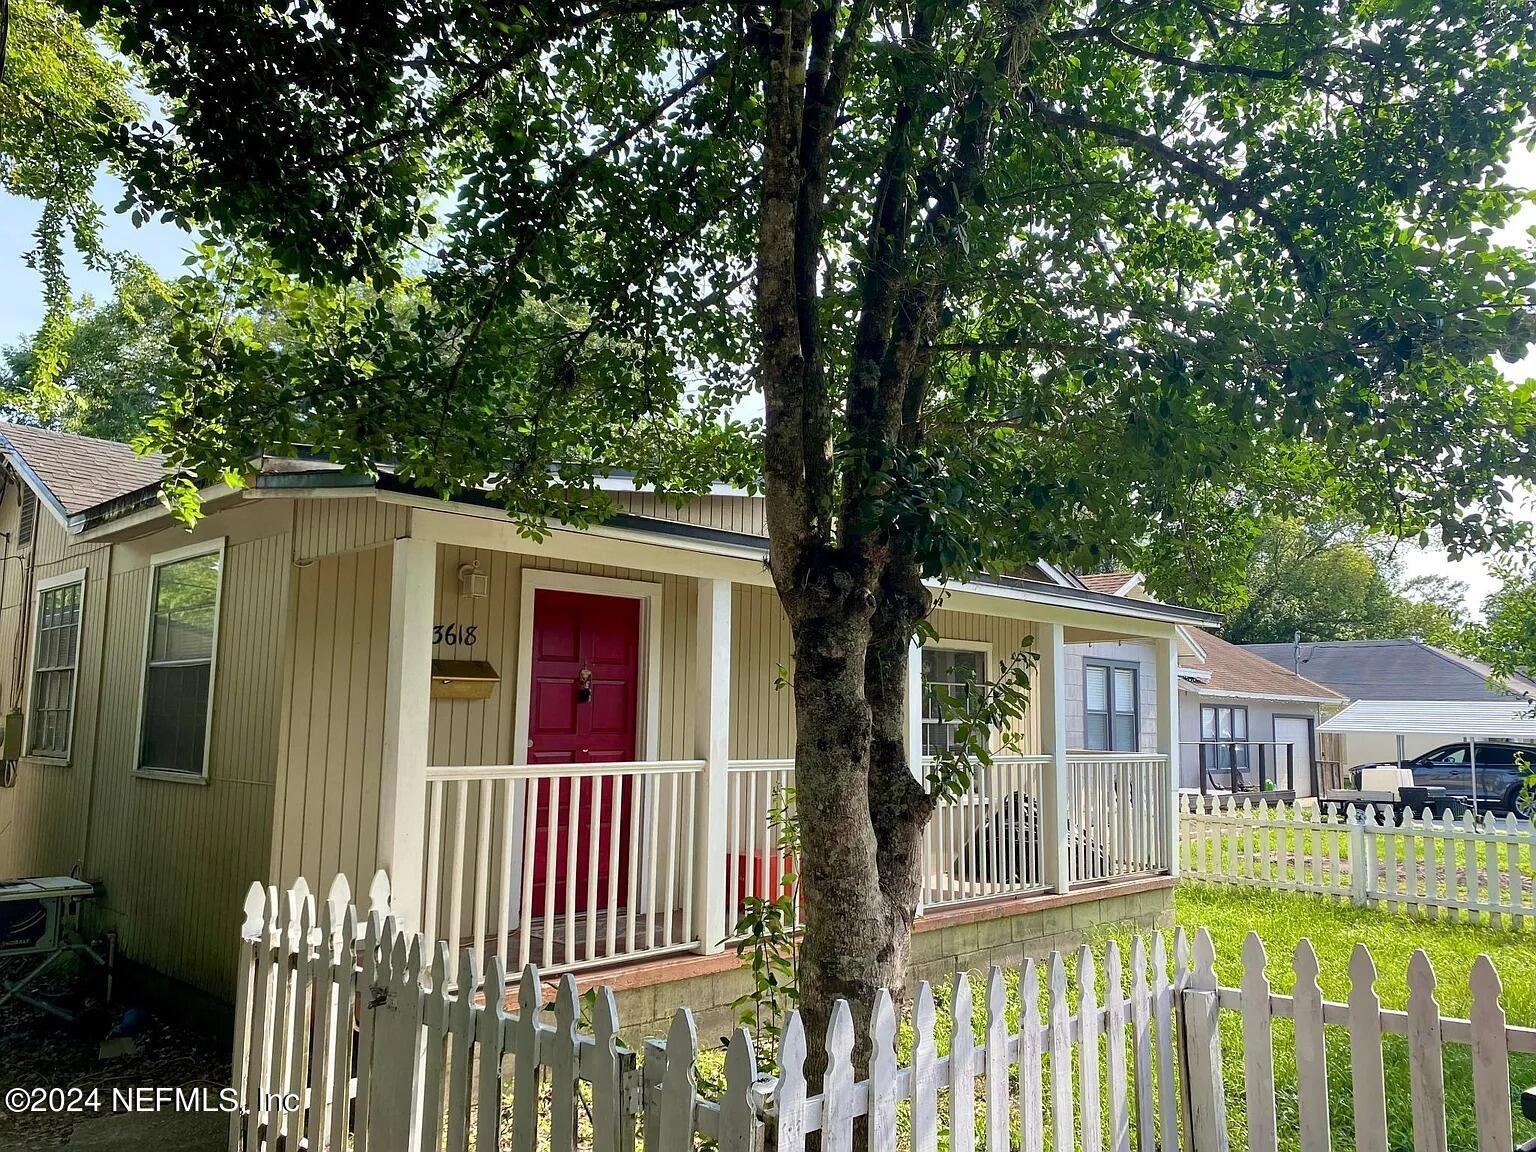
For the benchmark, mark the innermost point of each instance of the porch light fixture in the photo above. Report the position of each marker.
(473, 582)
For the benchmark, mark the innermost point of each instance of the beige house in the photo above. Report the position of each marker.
(566, 749)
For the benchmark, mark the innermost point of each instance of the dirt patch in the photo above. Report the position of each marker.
(110, 1110)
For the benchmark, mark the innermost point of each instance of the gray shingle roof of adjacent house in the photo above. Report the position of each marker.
(80, 471)
(1390, 670)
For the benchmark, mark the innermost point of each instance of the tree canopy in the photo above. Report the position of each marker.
(60, 96)
(1003, 280)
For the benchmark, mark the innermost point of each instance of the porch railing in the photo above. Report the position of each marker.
(986, 843)
(566, 866)
(1118, 816)
(579, 865)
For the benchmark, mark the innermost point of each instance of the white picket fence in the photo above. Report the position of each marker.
(1447, 868)
(351, 1035)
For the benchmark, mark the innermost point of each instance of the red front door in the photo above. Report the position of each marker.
(583, 710)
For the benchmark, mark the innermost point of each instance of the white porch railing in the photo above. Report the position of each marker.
(573, 866)
(986, 844)
(565, 866)
(1119, 808)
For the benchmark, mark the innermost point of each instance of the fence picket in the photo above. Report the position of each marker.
(1059, 1014)
(1367, 1076)
(789, 1098)
(1090, 1113)
(525, 1062)
(925, 1073)
(1258, 1048)
(1311, 1051)
(882, 1073)
(962, 1066)
(564, 1092)
(1426, 1069)
(1141, 1038)
(837, 1083)
(434, 1014)
(1031, 1102)
(490, 1022)
(611, 1128)
(738, 1120)
(1119, 1088)
(1162, 995)
(679, 1088)
(996, 1060)
(460, 1021)
(1490, 1059)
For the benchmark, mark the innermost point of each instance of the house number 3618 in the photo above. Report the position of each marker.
(454, 634)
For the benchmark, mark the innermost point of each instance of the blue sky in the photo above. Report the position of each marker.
(165, 247)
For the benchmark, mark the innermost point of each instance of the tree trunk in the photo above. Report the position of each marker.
(861, 812)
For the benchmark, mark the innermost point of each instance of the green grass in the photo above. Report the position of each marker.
(1281, 920)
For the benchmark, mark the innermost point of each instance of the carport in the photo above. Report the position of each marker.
(1511, 720)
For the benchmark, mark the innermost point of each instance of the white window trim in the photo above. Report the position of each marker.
(951, 644)
(648, 738)
(64, 579)
(156, 562)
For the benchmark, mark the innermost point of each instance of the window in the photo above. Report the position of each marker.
(179, 657)
(1111, 717)
(954, 672)
(1224, 736)
(55, 657)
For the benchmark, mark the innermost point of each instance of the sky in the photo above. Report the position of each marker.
(164, 247)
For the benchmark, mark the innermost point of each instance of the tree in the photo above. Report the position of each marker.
(1507, 637)
(59, 95)
(1330, 580)
(1008, 278)
(114, 359)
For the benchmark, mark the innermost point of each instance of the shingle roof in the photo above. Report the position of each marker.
(1389, 670)
(1107, 582)
(1233, 669)
(79, 471)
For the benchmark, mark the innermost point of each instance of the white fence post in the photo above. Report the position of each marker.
(1361, 851)
(1200, 1033)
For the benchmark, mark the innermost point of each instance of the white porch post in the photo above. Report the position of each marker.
(712, 744)
(915, 709)
(403, 784)
(1168, 739)
(1052, 698)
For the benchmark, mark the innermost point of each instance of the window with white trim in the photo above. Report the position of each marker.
(953, 673)
(179, 658)
(1111, 716)
(55, 660)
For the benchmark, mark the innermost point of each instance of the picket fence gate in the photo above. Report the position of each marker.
(348, 1033)
(1446, 868)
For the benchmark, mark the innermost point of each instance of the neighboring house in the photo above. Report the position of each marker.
(1395, 670)
(1248, 724)
(565, 749)
(1245, 724)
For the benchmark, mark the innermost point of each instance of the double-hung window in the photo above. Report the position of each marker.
(1224, 738)
(179, 653)
(1111, 716)
(948, 673)
(55, 663)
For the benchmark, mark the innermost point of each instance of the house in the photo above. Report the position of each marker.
(1246, 724)
(566, 750)
(1426, 680)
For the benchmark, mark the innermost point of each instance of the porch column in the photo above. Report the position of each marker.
(1052, 698)
(1168, 740)
(408, 685)
(915, 709)
(712, 744)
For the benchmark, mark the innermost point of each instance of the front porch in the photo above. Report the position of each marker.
(579, 861)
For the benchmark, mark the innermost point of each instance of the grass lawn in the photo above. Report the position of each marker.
(1282, 919)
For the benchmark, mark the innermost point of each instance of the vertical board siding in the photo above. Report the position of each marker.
(325, 527)
(744, 514)
(762, 715)
(172, 856)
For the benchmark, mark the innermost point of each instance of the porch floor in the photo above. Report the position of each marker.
(588, 939)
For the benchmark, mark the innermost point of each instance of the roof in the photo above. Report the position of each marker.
(1392, 670)
(1480, 720)
(75, 473)
(1110, 583)
(1234, 671)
